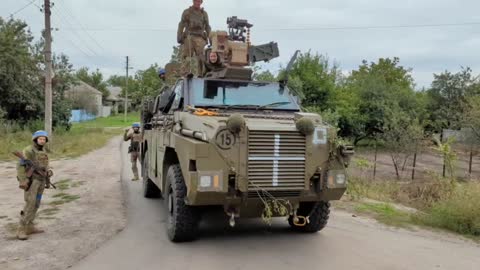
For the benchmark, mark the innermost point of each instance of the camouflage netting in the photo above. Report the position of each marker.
(305, 126)
(235, 123)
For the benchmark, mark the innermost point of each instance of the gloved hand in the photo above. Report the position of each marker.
(49, 173)
(23, 184)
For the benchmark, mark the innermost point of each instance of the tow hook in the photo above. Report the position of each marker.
(232, 216)
(300, 221)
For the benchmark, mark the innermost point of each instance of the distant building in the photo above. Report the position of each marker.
(87, 102)
(115, 99)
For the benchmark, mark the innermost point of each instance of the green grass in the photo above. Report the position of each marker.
(444, 204)
(49, 211)
(386, 213)
(459, 213)
(79, 140)
(63, 184)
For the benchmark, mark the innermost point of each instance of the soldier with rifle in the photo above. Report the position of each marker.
(33, 174)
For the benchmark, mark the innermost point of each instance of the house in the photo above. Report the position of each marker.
(87, 102)
(115, 99)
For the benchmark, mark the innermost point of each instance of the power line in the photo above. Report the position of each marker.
(65, 20)
(312, 28)
(22, 8)
(76, 47)
(68, 10)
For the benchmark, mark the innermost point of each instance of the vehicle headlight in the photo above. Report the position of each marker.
(340, 179)
(206, 181)
(210, 181)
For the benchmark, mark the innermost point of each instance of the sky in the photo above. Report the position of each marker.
(429, 36)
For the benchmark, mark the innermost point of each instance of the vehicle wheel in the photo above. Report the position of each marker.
(150, 190)
(183, 220)
(319, 213)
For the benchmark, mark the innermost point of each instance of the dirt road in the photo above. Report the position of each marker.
(86, 210)
(347, 243)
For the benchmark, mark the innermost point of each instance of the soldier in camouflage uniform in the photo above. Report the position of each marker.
(193, 32)
(33, 187)
(135, 137)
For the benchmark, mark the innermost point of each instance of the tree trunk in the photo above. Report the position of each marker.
(396, 166)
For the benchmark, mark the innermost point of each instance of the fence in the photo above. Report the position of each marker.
(378, 163)
(81, 116)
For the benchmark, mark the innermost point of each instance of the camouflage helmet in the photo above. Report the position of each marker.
(135, 125)
(40, 133)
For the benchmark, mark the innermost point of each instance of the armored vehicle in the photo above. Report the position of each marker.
(224, 140)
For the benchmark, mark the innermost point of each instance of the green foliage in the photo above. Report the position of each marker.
(472, 118)
(20, 76)
(449, 97)
(145, 83)
(459, 213)
(448, 154)
(94, 79)
(386, 213)
(313, 78)
(264, 76)
(377, 91)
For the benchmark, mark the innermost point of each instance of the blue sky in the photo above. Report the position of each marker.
(99, 34)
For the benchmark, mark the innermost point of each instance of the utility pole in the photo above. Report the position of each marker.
(48, 68)
(126, 90)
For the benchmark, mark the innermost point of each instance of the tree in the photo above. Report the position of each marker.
(370, 92)
(20, 83)
(264, 76)
(472, 117)
(313, 78)
(448, 98)
(94, 79)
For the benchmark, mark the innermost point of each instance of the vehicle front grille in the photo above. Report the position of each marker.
(276, 194)
(276, 160)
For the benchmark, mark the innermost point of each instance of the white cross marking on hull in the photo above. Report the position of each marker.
(276, 158)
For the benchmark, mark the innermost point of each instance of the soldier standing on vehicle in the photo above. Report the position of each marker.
(133, 134)
(161, 74)
(35, 158)
(193, 32)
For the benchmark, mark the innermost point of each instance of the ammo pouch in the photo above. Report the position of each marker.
(134, 147)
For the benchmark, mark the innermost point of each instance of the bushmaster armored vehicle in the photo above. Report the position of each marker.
(246, 146)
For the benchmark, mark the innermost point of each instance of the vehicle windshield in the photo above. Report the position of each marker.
(213, 93)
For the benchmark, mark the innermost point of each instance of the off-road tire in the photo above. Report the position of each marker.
(183, 220)
(150, 190)
(319, 214)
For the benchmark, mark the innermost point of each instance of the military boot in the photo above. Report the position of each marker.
(21, 233)
(31, 229)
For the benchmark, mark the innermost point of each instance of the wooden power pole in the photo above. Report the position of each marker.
(48, 68)
(126, 90)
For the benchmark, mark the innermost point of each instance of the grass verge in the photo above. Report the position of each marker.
(444, 204)
(79, 140)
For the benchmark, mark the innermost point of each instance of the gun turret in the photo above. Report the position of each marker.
(235, 51)
(237, 28)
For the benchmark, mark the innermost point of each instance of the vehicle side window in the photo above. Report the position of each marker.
(178, 100)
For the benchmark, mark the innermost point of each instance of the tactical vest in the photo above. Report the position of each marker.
(196, 21)
(136, 139)
(39, 158)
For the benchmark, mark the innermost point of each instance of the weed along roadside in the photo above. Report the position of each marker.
(436, 203)
(79, 140)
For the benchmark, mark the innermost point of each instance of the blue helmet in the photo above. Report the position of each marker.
(135, 125)
(161, 71)
(39, 133)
